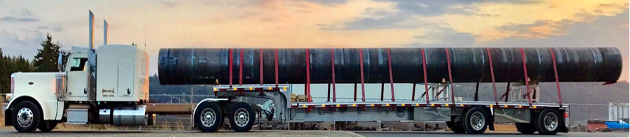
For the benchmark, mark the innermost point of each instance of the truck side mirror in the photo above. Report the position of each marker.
(60, 62)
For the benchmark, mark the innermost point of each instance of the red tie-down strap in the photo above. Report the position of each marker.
(333, 74)
(529, 99)
(391, 78)
(555, 71)
(276, 65)
(424, 68)
(308, 76)
(450, 75)
(362, 79)
(494, 86)
(230, 62)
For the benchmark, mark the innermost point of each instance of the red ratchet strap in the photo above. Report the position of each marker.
(526, 76)
(391, 78)
(333, 74)
(308, 76)
(424, 68)
(261, 70)
(276, 65)
(362, 81)
(230, 62)
(450, 76)
(240, 76)
(494, 86)
(261, 67)
(555, 71)
(413, 92)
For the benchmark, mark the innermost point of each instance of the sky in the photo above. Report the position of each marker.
(317, 23)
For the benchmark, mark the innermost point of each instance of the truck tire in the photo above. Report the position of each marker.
(208, 117)
(548, 121)
(475, 120)
(242, 117)
(26, 116)
(47, 126)
(525, 128)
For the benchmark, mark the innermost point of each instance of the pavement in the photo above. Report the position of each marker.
(285, 133)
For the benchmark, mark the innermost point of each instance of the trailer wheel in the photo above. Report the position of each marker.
(242, 117)
(525, 128)
(475, 121)
(208, 117)
(455, 127)
(47, 126)
(26, 117)
(548, 122)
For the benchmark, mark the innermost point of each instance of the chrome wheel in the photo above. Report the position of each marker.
(477, 120)
(241, 117)
(550, 121)
(25, 117)
(208, 117)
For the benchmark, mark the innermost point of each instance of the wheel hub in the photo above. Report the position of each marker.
(550, 121)
(208, 117)
(25, 117)
(477, 121)
(241, 117)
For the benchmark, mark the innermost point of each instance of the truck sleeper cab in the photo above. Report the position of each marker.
(106, 91)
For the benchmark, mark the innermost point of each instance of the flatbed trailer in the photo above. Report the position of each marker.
(461, 116)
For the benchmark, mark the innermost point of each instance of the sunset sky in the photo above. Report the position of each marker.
(318, 23)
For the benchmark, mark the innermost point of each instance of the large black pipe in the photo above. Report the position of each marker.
(211, 66)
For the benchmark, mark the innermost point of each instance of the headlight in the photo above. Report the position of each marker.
(8, 96)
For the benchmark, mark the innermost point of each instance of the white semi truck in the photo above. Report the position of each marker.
(40, 100)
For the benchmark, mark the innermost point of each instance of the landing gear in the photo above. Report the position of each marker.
(242, 117)
(208, 117)
(26, 117)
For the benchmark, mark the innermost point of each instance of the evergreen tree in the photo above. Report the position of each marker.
(46, 58)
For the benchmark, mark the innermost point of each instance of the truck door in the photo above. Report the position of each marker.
(77, 76)
(125, 76)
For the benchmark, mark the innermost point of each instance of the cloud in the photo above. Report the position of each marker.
(408, 12)
(168, 4)
(17, 19)
(440, 7)
(387, 22)
(538, 29)
(328, 2)
(445, 37)
(23, 15)
(602, 31)
(13, 45)
(57, 28)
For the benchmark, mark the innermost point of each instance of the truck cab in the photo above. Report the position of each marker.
(107, 85)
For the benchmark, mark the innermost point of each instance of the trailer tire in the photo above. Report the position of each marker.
(525, 128)
(548, 121)
(208, 117)
(242, 117)
(475, 120)
(26, 116)
(47, 126)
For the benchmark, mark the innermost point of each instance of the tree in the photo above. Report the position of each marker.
(46, 58)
